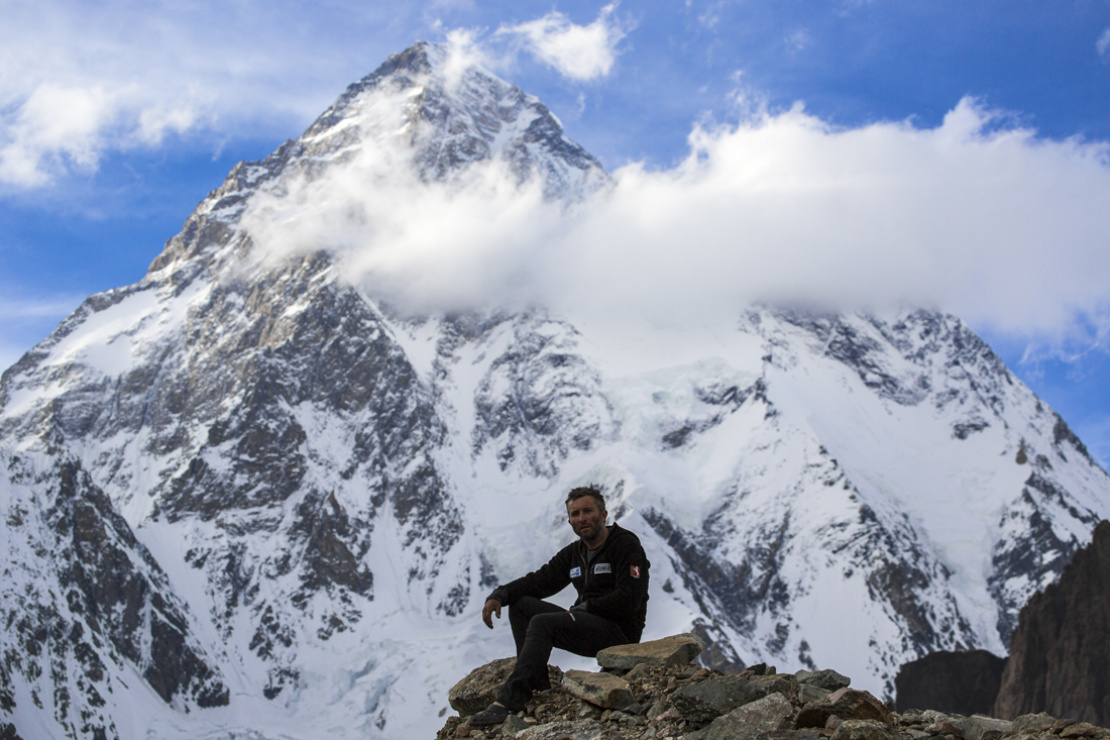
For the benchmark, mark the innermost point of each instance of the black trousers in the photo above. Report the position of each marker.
(538, 626)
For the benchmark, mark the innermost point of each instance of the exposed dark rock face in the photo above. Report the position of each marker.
(1060, 653)
(112, 606)
(965, 682)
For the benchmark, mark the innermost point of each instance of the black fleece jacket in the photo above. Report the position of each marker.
(614, 585)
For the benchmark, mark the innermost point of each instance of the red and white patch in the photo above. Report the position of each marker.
(634, 571)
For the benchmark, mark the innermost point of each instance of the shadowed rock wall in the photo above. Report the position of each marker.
(1060, 652)
(964, 682)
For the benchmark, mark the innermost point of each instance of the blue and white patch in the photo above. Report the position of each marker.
(576, 572)
(603, 568)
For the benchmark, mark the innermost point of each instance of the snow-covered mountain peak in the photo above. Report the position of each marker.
(307, 495)
(432, 109)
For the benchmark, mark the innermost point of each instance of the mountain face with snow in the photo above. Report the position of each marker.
(250, 495)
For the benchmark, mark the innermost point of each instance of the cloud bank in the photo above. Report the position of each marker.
(990, 222)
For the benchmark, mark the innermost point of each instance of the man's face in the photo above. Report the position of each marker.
(587, 519)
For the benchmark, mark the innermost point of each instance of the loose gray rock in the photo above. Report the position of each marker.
(600, 689)
(844, 703)
(771, 713)
(807, 692)
(479, 689)
(704, 702)
(582, 729)
(826, 679)
(513, 724)
(862, 729)
(673, 650)
(979, 727)
(1031, 723)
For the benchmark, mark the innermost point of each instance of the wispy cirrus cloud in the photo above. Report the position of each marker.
(578, 52)
(1102, 46)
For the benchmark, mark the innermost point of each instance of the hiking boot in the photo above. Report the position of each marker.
(494, 714)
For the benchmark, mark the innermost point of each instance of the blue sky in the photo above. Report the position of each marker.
(117, 118)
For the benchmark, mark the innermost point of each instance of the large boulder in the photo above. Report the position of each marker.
(827, 679)
(772, 712)
(600, 689)
(703, 702)
(1060, 652)
(479, 689)
(673, 650)
(843, 703)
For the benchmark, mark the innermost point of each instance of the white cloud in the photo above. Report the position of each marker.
(1103, 43)
(578, 52)
(798, 41)
(78, 80)
(998, 226)
(1001, 227)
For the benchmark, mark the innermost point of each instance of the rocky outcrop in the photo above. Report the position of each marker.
(663, 699)
(965, 682)
(1060, 653)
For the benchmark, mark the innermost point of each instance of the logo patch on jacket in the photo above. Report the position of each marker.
(634, 571)
(603, 568)
(576, 572)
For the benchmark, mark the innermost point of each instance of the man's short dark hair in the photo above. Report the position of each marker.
(591, 490)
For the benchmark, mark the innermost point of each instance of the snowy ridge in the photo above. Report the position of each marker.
(308, 494)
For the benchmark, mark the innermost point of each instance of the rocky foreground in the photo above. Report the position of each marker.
(652, 690)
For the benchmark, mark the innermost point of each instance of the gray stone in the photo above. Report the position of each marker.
(479, 689)
(513, 724)
(807, 692)
(844, 703)
(582, 729)
(771, 713)
(673, 650)
(826, 679)
(946, 726)
(705, 701)
(979, 727)
(1030, 723)
(862, 729)
(601, 689)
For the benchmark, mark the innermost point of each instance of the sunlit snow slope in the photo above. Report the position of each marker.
(249, 494)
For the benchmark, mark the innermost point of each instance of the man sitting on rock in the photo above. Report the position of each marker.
(609, 571)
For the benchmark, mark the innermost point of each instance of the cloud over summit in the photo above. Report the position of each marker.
(987, 221)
